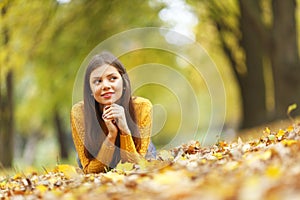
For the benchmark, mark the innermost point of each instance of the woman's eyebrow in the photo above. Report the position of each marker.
(96, 77)
(107, 75)
(112, 74)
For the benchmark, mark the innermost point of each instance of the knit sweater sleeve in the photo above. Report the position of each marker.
(143, 111)
(104, 157)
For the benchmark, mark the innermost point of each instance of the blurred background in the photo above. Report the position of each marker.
(254, 45)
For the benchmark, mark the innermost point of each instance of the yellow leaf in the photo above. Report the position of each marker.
(165, 155)
(3, 185)
(110, 177)
(266, 155)
(289, 142)
(170, 177)
(280, 133)
(218, 155)
(291, 108)
(267, 130)
(18, 176)
(271, 137)
(123, 167)
(69, 171)
(273, 172)
(143, 163)
(290, 128)
(41, 188)
(92, 178)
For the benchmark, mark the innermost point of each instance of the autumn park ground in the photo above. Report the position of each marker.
(260, 163)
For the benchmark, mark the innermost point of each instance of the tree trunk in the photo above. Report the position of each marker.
(252, 83)
(61, 136)
(7, 123)
(2, 124)
(6, 107)
(284, 56)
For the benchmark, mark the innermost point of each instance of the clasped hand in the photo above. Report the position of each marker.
(114, 118)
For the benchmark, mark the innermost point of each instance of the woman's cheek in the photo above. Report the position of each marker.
(97, 91)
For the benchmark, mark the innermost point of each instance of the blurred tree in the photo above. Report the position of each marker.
(24, 24)
(6, 99)
(252, 80)
(284, 56)
(259, 39)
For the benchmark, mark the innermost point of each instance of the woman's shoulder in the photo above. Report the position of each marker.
(141, 101)
(142, 106)
(143, 111)
(77, 119)
(77, 108)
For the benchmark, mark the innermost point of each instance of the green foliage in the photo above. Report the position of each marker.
(47, 43)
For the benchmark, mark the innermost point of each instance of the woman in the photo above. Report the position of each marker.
(110, 126)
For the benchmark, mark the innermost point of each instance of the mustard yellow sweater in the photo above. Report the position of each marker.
(143, 110)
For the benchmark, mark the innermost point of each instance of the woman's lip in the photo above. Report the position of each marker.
(107, 95)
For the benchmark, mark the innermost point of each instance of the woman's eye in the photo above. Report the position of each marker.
(113, 78)
(97, 82)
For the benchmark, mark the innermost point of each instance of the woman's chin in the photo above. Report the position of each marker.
(106, 102)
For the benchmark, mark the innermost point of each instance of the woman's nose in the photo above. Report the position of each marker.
(105, 85)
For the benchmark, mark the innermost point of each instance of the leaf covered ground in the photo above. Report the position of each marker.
(267, 167)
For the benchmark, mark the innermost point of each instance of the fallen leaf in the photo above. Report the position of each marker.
(273, 171)
(124, 167)
(41, 188)
(288, 142)
(291, 108)
(69, 171)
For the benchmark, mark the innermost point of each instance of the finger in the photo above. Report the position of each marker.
(108, 118)
(110, 105)
(113, 114)
(112, 117)
(116, 106)
(107, 107)
(109, 122)
(109, 111)
(112, 110)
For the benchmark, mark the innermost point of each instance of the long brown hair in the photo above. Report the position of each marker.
(95, 129)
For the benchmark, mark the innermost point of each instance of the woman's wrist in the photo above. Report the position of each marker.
(126, 132)
(111, 137)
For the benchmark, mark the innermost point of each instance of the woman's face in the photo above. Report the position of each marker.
(106, 84)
